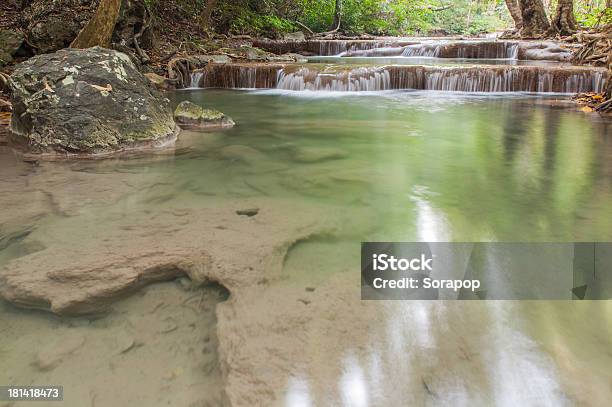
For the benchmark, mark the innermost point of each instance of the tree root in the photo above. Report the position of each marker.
(179, 70)
(605, 106)
(596, 47)
(4, 78)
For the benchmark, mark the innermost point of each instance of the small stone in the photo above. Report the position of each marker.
(250, 212)
(310, 289)
(191, 116)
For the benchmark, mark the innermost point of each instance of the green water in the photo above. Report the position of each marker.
(421, 166)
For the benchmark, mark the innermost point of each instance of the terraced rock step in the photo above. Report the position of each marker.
(313, 77)
(328, 47)
(522, 50)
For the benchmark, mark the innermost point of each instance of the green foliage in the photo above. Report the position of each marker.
(593, 13)
(406, 17)
(267, 25)
(272, 18)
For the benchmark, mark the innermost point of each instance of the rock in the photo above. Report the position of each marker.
(53, 354)
(296, 36)
(295, 57)
(250, 212)
(53, 25)
(84, 102)
(192, 116)
(10, 42)
(249, 53)
(544, 51)
(216, 59)
(159, 81)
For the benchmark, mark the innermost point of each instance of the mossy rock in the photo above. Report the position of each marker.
(191, 116)
(86, 102)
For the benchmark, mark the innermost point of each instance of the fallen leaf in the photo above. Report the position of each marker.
(47, 87)
(587, 109)
(108, 88)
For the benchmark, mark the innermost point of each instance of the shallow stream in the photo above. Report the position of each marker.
(392, 166)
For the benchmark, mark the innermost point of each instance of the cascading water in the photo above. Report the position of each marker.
(457, 79)
(464, 49)
(196, 79)
(236, 77)
(328, 47)
(422, 50)
(359, 79)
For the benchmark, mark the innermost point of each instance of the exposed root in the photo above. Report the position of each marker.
(147, 18)
(179, 70)
(596, 47)
(605, 107)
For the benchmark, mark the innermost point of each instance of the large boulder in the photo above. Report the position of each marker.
(84, 102)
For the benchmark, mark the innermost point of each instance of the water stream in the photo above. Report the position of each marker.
(395, 166)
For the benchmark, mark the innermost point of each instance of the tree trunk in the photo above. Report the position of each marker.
(207, 13)
(515, 13)
(564, 21)
(337, 15)
(535, 22)
(99, 30)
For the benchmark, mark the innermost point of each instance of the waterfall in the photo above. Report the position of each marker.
(342, 48)
(493, 78)
(358, 79)
(327, 47)
(512, 51)
(196, 79)
(464, 49)
(422, 50)
(237, 76)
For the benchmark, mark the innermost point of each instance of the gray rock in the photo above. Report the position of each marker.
(296, 57)
(296, 36)
(84, 102)
(217, 59)
(53, 25)
(191, 116)
(160, 82)
(544, 51)
(10, 42)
